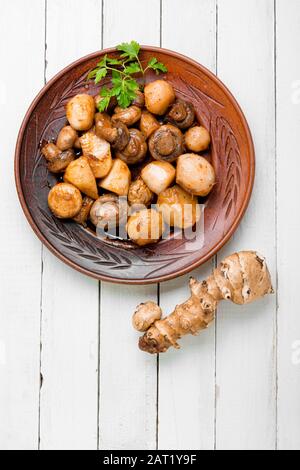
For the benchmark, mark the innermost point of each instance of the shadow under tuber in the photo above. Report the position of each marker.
(242, 278)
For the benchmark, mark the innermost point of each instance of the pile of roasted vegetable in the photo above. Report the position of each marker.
(139, 167)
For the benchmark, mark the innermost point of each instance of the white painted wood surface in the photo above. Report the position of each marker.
(237, 385)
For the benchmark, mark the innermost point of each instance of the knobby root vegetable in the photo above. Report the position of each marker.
(145, 315)
(242, 278)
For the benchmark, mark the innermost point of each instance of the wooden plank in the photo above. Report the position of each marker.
(246, 336)
(70, 301)
(127, 377)
(20, 250)
(187, 377)
(288, 112)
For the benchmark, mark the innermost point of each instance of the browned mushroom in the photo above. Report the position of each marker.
(139, 100)
(50, 151)
(104, 128)
(166, 143)
(109, 211)
(65, 201)
(182, 114)
(66, 138)
(57, 160)
(148, 124)
(128, 116)
(114, 132)
(136, 149)
(83, 215)
(60, 163)
(139, 193)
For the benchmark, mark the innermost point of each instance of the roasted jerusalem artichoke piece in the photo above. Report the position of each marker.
(242, 278)
(118, 180)
(145, 227)
(98, 152)
(79, 173)
(195, 174)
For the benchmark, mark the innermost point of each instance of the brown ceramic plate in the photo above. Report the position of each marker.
(231, 153)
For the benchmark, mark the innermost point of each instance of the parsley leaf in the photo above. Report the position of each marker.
(130, 50)
(133, 67)
(122, 68)
(157, 66)
(101, 73)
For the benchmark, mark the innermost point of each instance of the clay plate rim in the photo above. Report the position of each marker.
(180, 272)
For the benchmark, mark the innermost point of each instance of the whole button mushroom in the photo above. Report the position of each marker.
(115, 132)
(182, 114)
(57, 159)
(66, 138)
(139, 193)
(81, 112)
(128, 116)
(159, 95)
(83, 215)
(166, 143)
(195, 174)
(197, 139)
(109, 211)
(148, 124)
(65, 201)
(136, 149)
(139, 99)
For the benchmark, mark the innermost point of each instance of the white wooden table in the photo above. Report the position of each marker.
(71, 375)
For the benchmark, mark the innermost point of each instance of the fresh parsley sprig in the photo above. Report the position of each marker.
(124, 85)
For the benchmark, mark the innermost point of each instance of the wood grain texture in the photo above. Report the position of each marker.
(20, 251)
(128, 379)
(69, 361)
(288, 118)
(246, 338)
(187, 377)
(245, 415)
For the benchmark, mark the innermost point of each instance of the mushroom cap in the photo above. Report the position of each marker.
(182, 114)
(136, 149)
(109, 211)
(65, 201)
(139, 193)
(166, 143)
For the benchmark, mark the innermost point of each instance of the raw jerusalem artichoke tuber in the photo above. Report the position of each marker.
(242, 278)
